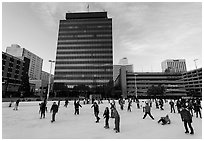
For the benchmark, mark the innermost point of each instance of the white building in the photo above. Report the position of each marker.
(123, 61)
(178, 65)
(36, 62)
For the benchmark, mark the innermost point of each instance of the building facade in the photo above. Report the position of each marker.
(138, 83)
(14, 70)
(84, 52)
(36, 62)
(193, 82)
(171, 65)
(116, 69)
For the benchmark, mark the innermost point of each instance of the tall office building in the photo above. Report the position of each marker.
(178, 65)
(36, 62)
(84, 51)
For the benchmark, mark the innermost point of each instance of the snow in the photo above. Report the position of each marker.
(26, 123)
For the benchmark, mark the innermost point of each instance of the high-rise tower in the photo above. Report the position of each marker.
(178, 65)
(84, 52)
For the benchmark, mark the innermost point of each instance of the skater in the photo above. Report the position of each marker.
(42, 109)
(121, 103)
(190, 107)
(197, 109)
(129, 105)
(147, 111)
(54, 110)
(143, 106)
(76, 107)
(165, 120)
(171, 103)
(66, 103)
(16, 105)
(138, 103)
(187, 119)
(10, 104)
(112, 107)
(117, 120)
(96, 111)
(157, 105)
(178, 104)
(106, 116)
(161, 103)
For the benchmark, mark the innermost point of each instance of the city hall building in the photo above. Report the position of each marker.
(84, 57)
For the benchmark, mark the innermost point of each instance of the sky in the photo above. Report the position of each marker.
(145, 33)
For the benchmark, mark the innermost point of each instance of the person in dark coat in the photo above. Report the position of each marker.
(112, 107)
(178, 104)
(148, 111)
(117, 120)
(16, 105)
(161, 103)
(66, 103)
(129, 105)
(42, 109)
(76, 107)
(165, 120)
(197, 109)
(54, 110)
(171, 103)
(187, 119)
(106, 116)
(96, 111)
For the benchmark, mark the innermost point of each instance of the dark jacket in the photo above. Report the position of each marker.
(186, 115)
(77, 105)
(54, 108)
(106, 113)
(147, 109)
(42, 107)
(96, 108)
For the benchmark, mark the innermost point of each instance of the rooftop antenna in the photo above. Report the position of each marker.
(88, 7)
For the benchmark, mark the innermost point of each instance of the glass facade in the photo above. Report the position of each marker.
(84, 52)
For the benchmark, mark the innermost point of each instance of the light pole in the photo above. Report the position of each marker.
(135, 86)
(195, 62)
(48, 90)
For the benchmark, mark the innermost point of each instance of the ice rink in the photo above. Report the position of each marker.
(26, 123)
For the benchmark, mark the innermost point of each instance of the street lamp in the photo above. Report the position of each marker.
(48, 91)
(135, 85)
(195, 62)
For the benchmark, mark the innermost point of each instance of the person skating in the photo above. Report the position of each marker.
(161, 103)
(76, 107)
(42, 109)
(117, 120)
(129, 105)
(190, 107)
(16, 105)
(171, 103)
(54, 110)
(112, 107)
(187, 119)
(197, 109)
(178, 104)
(106, 116)
(165, 120)
(66, 102)
(147, 111)
(138, 103)
(96, 111)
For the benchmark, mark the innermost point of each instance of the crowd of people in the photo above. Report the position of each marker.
(187, 108)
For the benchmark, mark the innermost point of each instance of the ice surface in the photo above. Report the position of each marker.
(26, 123)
